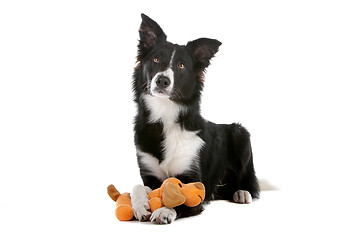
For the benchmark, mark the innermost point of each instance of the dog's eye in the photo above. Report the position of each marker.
(180, 185)
(156, 60)
(181, 65)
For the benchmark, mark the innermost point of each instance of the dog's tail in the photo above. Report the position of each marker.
(266, 185)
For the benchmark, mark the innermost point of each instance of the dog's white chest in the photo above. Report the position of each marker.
(181, 150)
(180, 147)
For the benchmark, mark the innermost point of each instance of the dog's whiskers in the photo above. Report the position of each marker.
(179, 94)
(145, 86)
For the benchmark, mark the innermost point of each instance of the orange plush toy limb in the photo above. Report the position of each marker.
(174, 193)
(123, 210)
(155, 203)
(155, 199)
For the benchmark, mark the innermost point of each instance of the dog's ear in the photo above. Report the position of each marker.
(150, 33)
(203, 49)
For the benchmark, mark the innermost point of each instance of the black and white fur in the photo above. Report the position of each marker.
(171, 137)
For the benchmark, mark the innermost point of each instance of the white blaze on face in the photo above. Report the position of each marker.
(169, 73)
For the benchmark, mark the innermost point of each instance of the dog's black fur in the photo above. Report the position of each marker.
(225, 161)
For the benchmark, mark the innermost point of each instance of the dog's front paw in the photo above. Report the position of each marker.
(140, 202)
(163, 215)
(142, 212)
(242, 196)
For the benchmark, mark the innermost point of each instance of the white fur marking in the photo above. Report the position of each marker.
(242, 196)
(163, 215)
(180, 147)
(172, 58)
(152, 164)
(167, 73)
(140, 202)
(162, 109)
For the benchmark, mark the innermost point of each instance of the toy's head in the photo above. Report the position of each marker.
(175, 193)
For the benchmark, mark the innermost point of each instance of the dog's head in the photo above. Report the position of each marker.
(168, 70)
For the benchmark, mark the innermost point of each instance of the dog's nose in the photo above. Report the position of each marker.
(163, 82)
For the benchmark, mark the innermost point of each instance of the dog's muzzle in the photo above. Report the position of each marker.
(162, 84)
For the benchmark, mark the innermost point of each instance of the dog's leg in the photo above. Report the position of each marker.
(140, 202)
(239, 182)
(163, 215)
(242, 196)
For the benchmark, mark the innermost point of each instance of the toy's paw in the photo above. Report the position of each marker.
(139, 201)
(242, 196)
(163, 215)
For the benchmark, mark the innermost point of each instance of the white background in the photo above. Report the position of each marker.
(287, 70)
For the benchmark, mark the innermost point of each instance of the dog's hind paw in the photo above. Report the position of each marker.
(242, 196)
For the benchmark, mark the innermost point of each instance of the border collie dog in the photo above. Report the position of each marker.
(172, 138)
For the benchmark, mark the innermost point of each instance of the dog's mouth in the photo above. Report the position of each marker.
(158, 92)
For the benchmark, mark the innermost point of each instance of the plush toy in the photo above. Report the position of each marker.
(172, 193)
